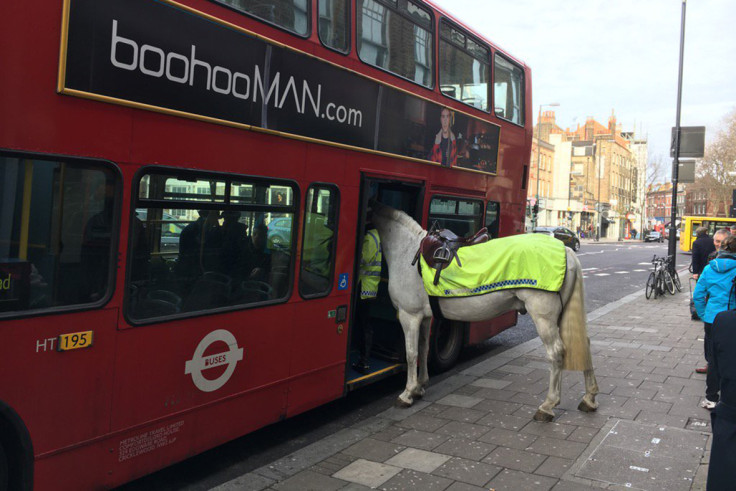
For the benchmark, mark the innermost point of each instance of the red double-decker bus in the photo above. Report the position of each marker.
(183, 195)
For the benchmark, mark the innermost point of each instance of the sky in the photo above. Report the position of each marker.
(595, 56)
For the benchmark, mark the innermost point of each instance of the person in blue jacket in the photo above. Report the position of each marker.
(713, 294)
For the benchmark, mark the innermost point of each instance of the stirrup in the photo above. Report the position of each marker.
(442, 255)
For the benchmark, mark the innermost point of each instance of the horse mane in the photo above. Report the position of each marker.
(398, 216)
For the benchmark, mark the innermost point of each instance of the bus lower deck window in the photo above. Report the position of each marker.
(56, 233)
(216, 243)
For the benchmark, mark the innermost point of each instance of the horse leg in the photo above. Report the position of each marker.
(423, 355)
(410, 323)
(589, 404)
(550, 335)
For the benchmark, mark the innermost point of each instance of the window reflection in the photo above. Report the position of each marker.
(292, 15)
(464, 68)
(399, 41)
(56, 233)
(318, 253)
(508, 91)
(462, 216)
(492, 218)
(232, 247)
(334, 24)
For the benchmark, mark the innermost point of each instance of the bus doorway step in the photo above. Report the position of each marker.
(379, 369)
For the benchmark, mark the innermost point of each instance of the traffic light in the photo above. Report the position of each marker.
(535, 209)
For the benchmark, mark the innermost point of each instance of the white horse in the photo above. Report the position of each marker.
(559, 317)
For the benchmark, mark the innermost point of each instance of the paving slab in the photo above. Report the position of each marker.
(375, 450)
(409, 479)
(464, 430)
(464, 415)
(468, 471)
(513, 479)
(554, 467)
(309, 481)
(367, 473)
(508, 438)
(466, 449)
(491, 383)
(460, 400)
(418, 460)
(512, 458)
(421, 439)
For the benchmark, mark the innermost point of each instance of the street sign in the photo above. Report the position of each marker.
(686, 171)
(692, 142)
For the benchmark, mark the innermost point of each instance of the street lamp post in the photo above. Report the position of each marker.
(569, 198)
(535, 216)
(599, 225)
(671, 246)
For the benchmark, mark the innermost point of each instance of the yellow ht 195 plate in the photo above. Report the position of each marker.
(75, 340)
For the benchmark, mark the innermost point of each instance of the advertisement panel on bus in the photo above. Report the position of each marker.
(158, 56)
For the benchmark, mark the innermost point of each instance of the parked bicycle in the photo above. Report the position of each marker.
(664, 278)
(673, 271)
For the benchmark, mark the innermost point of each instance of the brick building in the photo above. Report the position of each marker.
(698, 202)
(542, 158)
(659, 204)
(598, 181)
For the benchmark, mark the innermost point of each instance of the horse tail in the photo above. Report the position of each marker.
(573, 325)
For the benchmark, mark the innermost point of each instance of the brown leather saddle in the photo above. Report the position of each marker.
(440, 247)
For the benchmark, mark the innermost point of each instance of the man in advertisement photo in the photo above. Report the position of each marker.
(444, 150)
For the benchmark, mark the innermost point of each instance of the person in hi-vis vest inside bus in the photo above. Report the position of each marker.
(369, 276)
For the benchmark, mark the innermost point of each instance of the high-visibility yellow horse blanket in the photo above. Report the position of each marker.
(500, 264)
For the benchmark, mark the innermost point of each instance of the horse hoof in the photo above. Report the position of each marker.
(586, 407)
(402, 403)
(418, 394)
(543, 416)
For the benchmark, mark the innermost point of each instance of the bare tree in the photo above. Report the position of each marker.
(716, 171)
(656, 168)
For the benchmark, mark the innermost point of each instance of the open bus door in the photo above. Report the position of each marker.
(387, 354)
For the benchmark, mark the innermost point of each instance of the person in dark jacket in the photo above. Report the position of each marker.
(702, 247)
(713, 294)
(722, 465)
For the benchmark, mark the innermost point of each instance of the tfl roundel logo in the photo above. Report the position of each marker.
(200, 363)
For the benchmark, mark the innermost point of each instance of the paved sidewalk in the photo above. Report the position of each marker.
(474, 430)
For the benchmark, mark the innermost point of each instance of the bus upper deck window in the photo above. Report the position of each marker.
(334, 24)
(57, 233)
(464, 67)
(396, 36)
(508, 90)
(292, 15)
